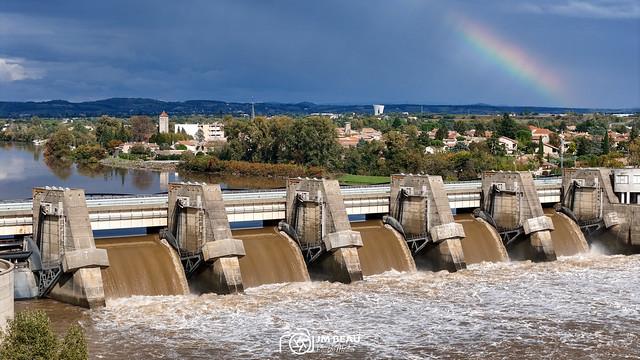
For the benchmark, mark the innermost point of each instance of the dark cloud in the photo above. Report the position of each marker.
(323, 51)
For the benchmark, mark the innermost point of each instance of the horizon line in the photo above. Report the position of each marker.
(636, 107)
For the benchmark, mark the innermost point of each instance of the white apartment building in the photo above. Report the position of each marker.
(509, 145)
(212, 132)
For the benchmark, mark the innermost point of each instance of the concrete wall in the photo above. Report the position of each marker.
(426, 210)
(509, 208)
(517, 206)
(201, 226)
(322, 220)
(64, 236)
(6, 293)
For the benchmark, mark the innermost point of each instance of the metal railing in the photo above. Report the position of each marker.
(270, 194)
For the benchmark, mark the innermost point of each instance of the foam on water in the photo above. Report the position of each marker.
(579, 306)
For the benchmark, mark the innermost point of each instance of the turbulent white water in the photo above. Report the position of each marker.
(576, 307)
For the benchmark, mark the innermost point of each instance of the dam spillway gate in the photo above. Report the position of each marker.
(316, 218)
(198, 228)
(420, 212)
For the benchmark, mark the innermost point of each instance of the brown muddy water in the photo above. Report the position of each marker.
(577, 307)
(270, 258)
(382, 250)
(141, 265)
(567, 237)
(482, 242)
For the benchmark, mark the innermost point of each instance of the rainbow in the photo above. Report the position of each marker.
(511, 58)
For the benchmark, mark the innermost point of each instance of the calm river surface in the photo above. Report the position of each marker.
(22, 167)
(575, 308)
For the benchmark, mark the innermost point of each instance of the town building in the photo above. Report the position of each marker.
(550, 150)
(626, 185)
(125, 148)
(510, 145)
(540, 133)
(212, 132)
(163, 123)
(347, 137)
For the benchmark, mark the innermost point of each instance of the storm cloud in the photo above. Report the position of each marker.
(330, 51)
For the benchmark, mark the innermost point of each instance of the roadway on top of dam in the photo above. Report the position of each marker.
(108, 212)
(269, 194)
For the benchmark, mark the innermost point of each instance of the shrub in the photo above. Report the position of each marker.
(140, 150)
(89, 153)
(29, 336)
(211, 164)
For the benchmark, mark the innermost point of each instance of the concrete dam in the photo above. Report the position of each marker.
(313, 230)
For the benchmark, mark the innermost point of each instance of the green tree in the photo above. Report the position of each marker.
(634, 152)
(29, 336)
(108, 129)
(442, 133)
(584, 146)
(634, 133)
(74, 345)
(396, 151)
(480, 129)
(312, 142)
(495, 147)
(507, 126)
(523, 137)
(540, 149)
(58, 147)
(89, 153)
(605, 145)
(460, 126)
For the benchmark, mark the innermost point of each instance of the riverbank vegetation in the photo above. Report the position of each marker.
(212, 164)
(350, 179)
(457, 147)
(30, 336)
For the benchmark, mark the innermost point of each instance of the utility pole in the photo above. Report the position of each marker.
(561, 151)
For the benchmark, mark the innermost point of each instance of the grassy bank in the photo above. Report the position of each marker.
(348, 179)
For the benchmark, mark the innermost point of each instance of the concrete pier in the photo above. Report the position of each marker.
(62, 232)
(316, 211)
(589, 197)
(198, 221)
(511, 200)
(6, 293)
(420, 205)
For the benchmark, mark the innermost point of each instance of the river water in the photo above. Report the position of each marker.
(22, 167)
(577, 307)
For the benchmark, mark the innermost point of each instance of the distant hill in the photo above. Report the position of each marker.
(139, 106)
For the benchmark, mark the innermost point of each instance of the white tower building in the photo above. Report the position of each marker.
(163, 123)
(378, 110)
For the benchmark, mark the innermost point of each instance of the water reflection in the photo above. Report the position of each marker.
(62, 169)
(23, 167)
(143, 179)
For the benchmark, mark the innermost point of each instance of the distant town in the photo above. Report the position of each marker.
(356, 147)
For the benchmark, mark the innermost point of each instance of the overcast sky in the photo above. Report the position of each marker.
(503, 52)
